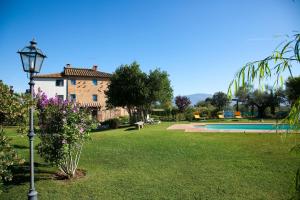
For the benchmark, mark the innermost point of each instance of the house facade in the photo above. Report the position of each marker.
(85, 86)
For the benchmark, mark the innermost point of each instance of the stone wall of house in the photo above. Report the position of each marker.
(104, 114)
(84, 89)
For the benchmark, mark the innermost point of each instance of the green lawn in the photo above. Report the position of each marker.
(158, 164)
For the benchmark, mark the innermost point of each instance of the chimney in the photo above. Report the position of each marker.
(95, 67)
(68, 66)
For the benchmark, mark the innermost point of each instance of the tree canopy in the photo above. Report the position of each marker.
(182, 102)
(293, 89)
(137, 91)
(219, 100)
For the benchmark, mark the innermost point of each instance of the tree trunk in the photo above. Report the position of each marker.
(131, 117)
(261, 112)
(273, 110)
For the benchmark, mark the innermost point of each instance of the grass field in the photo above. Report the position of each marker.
(158, 164)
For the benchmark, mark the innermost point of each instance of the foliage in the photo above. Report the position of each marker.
(14, 108)
(219, 100)
(260, 99)
(159, 87)
(63, 129)
(137, 91)
(127, 87)
(8, 157)
(281, 60)
(242, 94)
(189, 113)
(124, 120)
(13, 111)
(205, 108)
(292, 85)
(112, 123)
(182, 102)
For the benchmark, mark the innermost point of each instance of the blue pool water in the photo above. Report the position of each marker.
(245, 127)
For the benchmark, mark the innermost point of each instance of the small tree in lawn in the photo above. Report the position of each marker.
(182, 102)
(63, 129)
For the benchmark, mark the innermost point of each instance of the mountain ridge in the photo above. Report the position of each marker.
(195, 98)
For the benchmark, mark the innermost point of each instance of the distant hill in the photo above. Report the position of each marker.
(197, 97)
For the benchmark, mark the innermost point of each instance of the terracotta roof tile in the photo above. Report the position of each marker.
(77, 72)
(85, 73)
(55, 75)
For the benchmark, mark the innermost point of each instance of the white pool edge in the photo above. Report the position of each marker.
(191, 128)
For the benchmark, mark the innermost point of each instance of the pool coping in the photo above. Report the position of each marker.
(191, 128)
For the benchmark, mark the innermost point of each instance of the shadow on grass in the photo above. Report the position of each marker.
(130, 129)
(21, 174)
(128, 126)
(16, 146)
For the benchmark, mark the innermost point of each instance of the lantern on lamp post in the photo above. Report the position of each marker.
(32, 59)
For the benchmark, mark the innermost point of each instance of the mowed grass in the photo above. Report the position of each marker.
(155, 163)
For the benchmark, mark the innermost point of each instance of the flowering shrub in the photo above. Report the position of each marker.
(63, 129)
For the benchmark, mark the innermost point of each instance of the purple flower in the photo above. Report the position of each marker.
(75, 109)
(65, 102)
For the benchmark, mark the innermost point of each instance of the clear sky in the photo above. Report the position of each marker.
(200, 43)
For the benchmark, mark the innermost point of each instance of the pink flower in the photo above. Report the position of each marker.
(81, 130)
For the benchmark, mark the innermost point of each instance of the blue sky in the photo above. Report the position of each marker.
(200, 43)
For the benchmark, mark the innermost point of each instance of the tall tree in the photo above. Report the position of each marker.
(137, 91)
(159, 87)
(182, 102)
(261, 100)
(220, 100)
(127, 88)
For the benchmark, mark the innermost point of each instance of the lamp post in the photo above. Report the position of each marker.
(32, 59)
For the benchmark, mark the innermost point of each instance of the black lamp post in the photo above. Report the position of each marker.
(32, 59)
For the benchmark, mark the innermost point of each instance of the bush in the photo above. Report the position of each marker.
(124, 120)
(189, 114)
(63, 129)
(8, 157)
(179, 117)
(112, 123)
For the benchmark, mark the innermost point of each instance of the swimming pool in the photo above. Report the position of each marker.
(245, 127)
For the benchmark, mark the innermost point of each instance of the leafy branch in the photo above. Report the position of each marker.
(284, 57)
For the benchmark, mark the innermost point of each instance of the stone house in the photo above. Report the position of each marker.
(85, 86)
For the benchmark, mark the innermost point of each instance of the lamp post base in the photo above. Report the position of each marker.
(32, 195)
